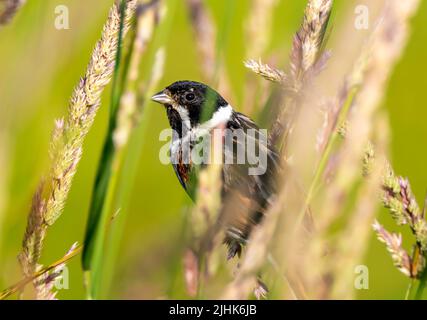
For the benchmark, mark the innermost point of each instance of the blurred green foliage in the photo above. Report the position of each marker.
(39, 68)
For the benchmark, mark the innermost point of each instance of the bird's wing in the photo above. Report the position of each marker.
(263, 182)
(246, 197)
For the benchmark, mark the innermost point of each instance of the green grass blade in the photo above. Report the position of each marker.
(95, 232)
(131, 159)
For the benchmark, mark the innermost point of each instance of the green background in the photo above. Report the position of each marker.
(39, 68)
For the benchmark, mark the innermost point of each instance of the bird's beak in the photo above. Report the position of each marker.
(162, 98)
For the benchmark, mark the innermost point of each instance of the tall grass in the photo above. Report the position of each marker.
(128, 98)
(95, 231)
(152, 67)
(333, 254)
(67, 143)
(307, 57)
(200, 256)
(330, 186)
(128, 135)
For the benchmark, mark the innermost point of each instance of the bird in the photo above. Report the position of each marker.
(193, 110)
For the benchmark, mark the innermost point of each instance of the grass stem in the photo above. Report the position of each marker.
(320, 169)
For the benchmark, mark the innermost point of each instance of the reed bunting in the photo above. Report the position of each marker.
(194, 110)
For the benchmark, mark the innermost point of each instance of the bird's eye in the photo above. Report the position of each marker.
(190, 96)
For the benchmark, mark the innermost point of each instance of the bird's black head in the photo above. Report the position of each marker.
(189, 102)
